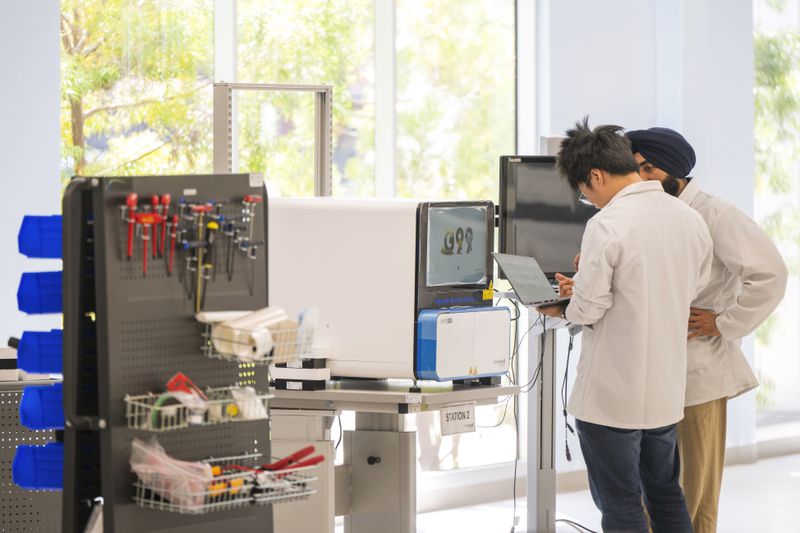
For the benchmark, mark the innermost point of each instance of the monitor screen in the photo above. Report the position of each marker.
(540, 215)
(457, 246)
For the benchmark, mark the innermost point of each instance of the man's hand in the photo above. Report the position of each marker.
(702, 323)
(565, 285)
(576, 262)
(553, 311)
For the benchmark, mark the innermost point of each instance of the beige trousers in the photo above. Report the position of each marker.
(701, 441)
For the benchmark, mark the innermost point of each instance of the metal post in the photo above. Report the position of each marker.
(381, 453)
(323, 109)
(541, 479)
(225, 128)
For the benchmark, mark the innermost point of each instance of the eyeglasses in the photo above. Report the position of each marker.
(582, 198)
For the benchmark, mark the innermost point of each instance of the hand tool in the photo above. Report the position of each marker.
(173, 233)
(156, 210)
(166, 199)
(131, 201)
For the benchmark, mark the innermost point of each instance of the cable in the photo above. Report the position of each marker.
(516, 463)
(564, 394)
(576, 525)
(532, 383)
(518, 345)
(503, 419)
(341, 433)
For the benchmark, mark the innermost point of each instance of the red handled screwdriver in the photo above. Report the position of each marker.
(131, 201)
(166, 199)
(156, 210)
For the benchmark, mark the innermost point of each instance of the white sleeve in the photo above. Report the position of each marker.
(704, 273)
(591, 295)
(748, 252)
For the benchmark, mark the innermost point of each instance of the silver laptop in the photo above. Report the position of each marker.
(528, 281)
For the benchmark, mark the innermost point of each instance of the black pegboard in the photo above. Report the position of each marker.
(146, 332)
(20, 509)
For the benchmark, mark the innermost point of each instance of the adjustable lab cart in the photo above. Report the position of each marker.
(375, 490)
(130, 299)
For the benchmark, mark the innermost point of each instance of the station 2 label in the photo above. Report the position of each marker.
(458, 419)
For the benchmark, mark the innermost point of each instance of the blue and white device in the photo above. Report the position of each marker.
(404, 288)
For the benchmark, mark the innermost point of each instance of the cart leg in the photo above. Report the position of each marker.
(381, 454)
(293, 429)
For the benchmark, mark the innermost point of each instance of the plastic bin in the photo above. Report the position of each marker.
(40, 352)
(41, 407)
(40, 292)
(39, 467)
(40, 237)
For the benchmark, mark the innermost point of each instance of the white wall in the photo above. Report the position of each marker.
(29, 143)
(684, 64)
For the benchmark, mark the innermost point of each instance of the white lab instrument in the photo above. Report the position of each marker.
(403, 288)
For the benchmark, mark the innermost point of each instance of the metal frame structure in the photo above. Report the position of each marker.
(375, 488)
(225, 127)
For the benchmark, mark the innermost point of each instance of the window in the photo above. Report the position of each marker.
(777, 200)
(455, 96)
(307, 42)
(136, 86)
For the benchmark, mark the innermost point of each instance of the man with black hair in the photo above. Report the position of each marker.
(644, 258)
(748, 280)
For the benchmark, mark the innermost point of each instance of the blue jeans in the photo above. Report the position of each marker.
(627, 467)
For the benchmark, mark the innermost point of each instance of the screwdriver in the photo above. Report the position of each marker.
(173, 233)
(156, 210)
(166, 199)
(131, 201)
(211, 236)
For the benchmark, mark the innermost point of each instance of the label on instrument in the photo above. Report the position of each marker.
(488, 294)
(190, 192)
(256, 179)
(294, 385)
(458, 419)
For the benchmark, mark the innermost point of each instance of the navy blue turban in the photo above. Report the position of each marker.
(665, 149)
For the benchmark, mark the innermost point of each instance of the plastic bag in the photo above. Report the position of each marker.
(251, 407)
(182, 483)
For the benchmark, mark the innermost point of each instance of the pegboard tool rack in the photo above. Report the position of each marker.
(127, 333)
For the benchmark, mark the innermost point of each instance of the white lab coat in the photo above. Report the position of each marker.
(644, 258)
(748, 281)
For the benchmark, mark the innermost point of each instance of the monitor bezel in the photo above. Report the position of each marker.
(505, 244)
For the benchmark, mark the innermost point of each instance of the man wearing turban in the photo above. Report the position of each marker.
(748, 281)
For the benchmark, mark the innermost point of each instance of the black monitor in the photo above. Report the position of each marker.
(540, 215)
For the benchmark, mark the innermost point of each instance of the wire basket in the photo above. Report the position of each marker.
(229, 490)
(164, 412)
(284, 486)
(286, 342)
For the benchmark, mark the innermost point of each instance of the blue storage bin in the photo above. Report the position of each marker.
(41, 407)
(40, 237)
(40, 352)
(39, 467)
(39, 292)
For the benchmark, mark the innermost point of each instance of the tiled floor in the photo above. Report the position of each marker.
(758, 498)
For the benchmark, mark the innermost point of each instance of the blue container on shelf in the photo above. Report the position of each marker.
(39, 292)
(40, 237)
(40, 352)
(39, 467)
(41, 407)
